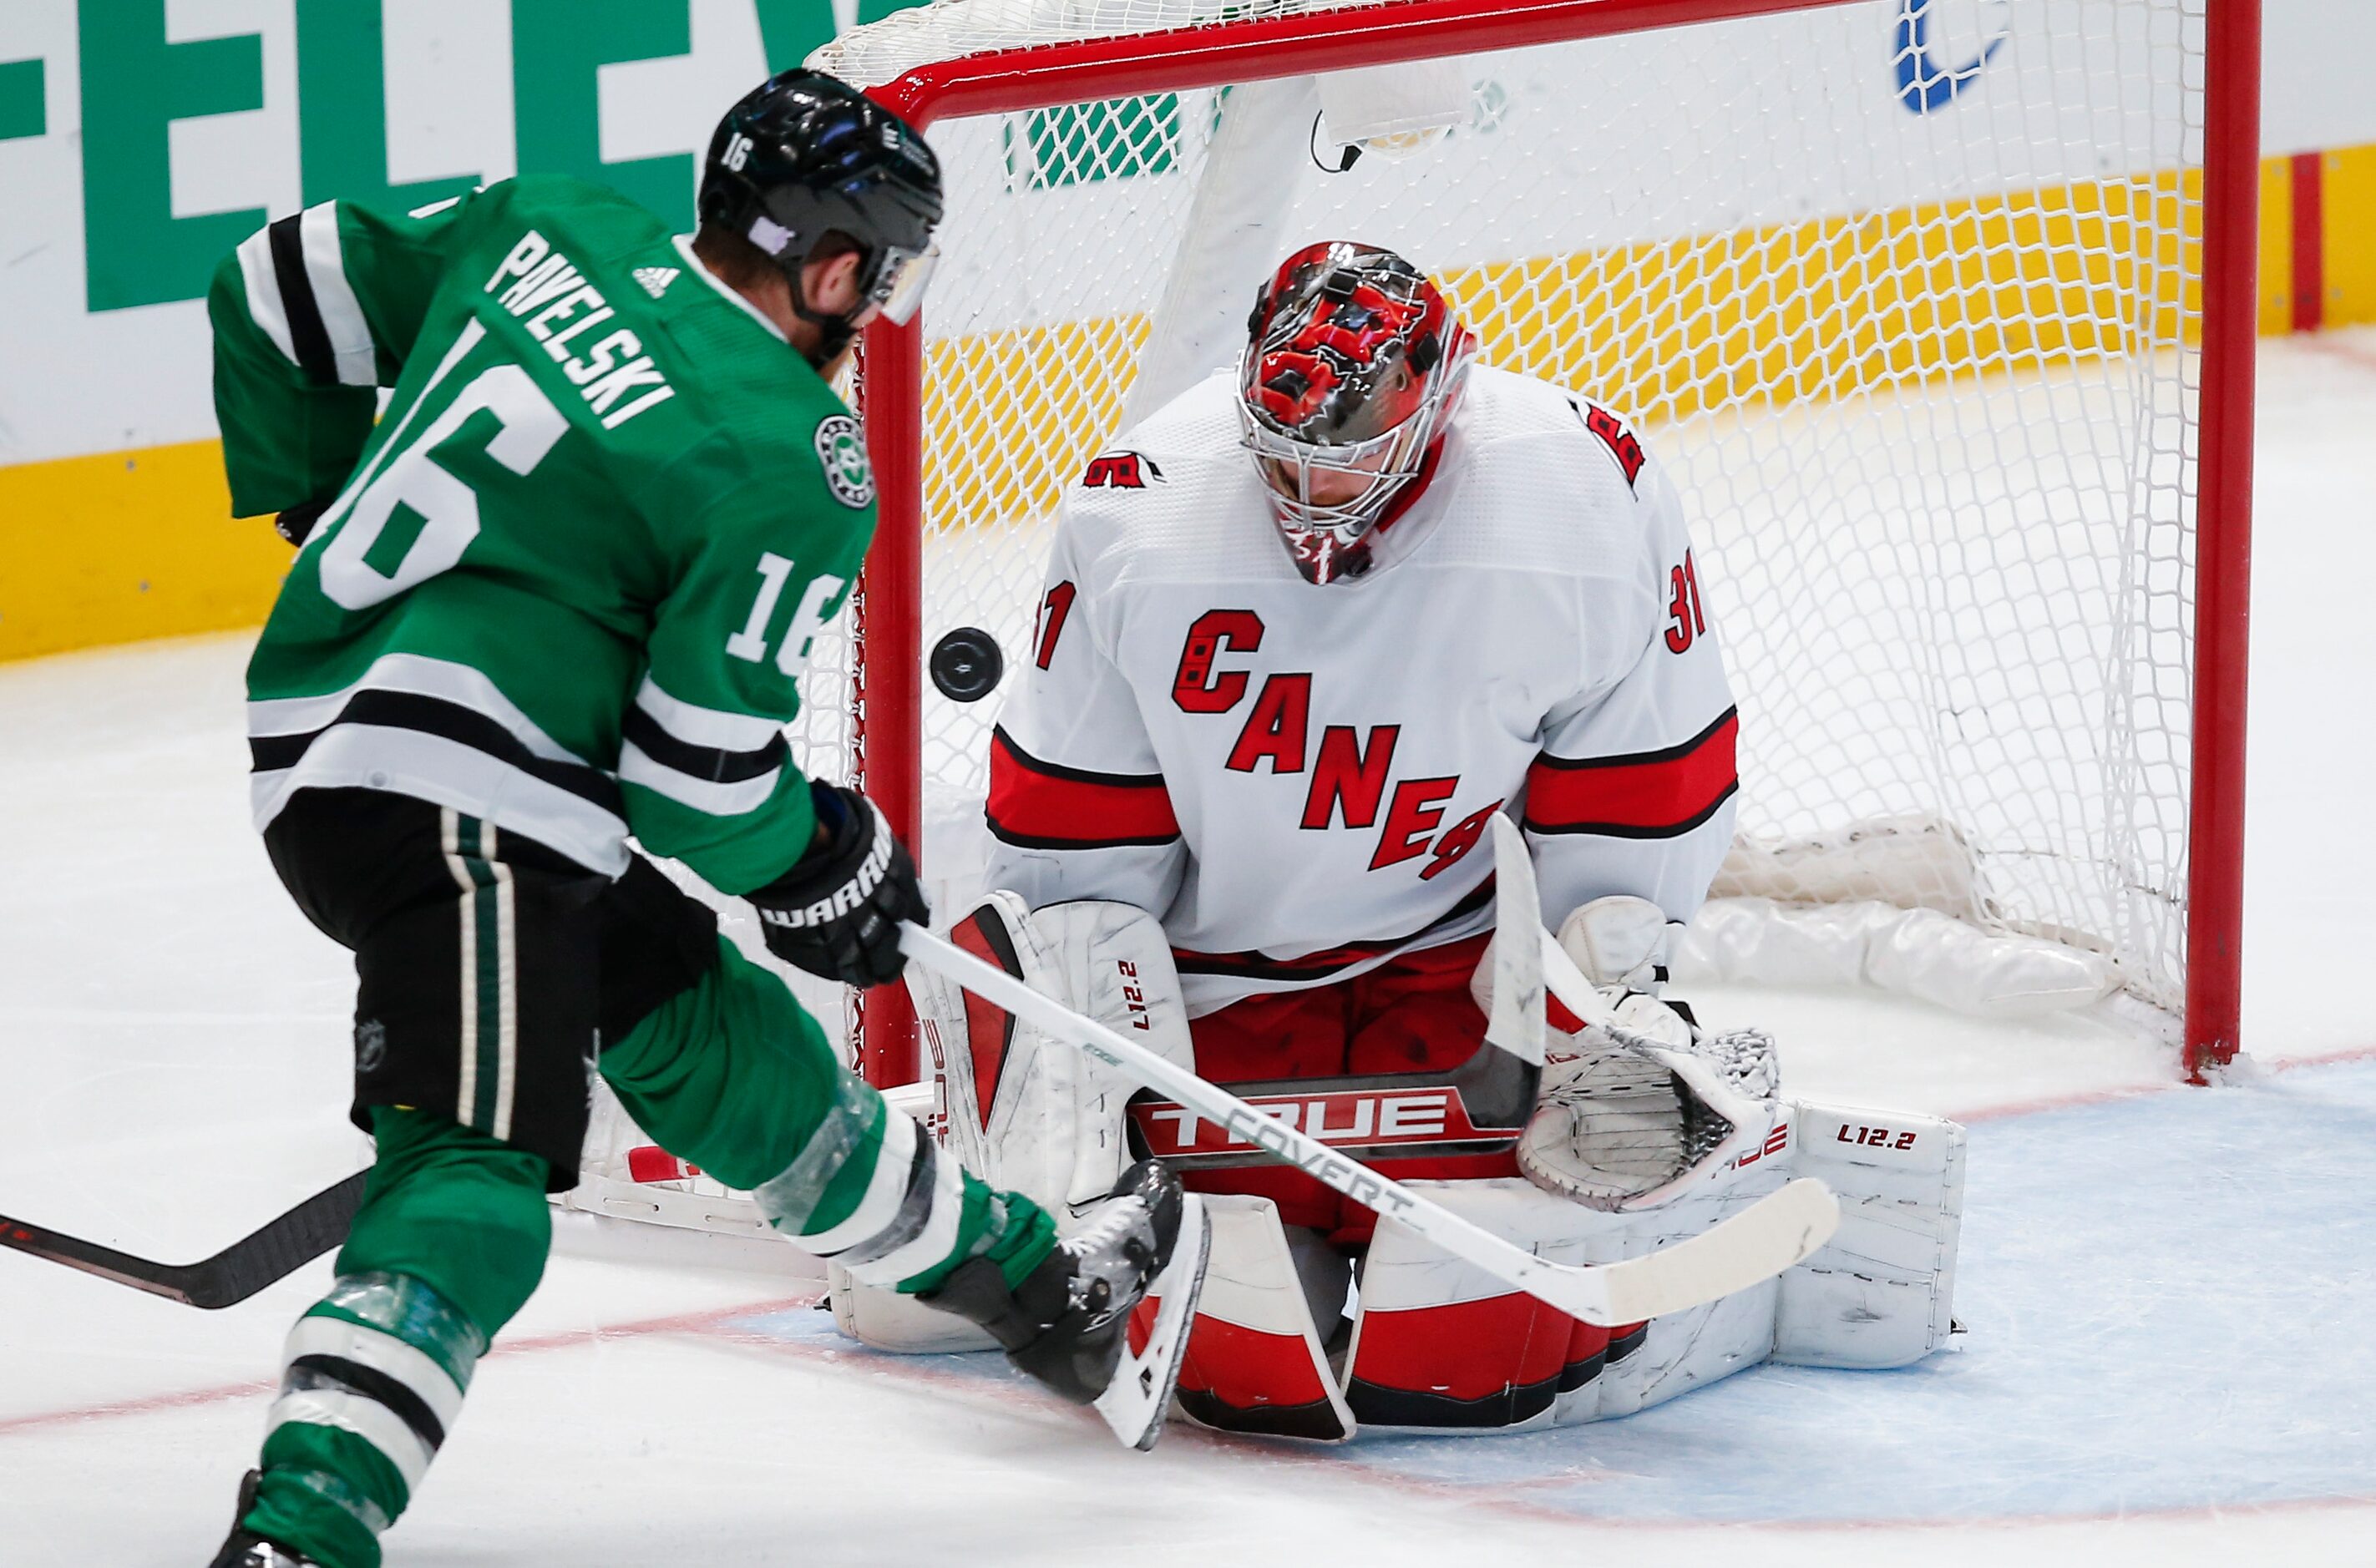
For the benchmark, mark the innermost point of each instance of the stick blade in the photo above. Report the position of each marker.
(280, 1249)
(1778, 1231)
(232, 1276)
(170, 1280)
(1516, 1024)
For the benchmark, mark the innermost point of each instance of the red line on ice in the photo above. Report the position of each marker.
(2138, 1091)
(2339, 346)
(683, 1323)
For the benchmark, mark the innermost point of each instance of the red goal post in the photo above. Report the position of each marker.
(2216, 293)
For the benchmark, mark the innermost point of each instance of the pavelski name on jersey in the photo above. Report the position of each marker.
(550, 296)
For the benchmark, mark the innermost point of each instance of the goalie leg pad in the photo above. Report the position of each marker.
(1438, 1346)
(1879, 1295)
(1027, 1113)
(1031, 1115)
(1442, 1347)
(1881, 1292)
(1255, 1362)
(1684, 1350)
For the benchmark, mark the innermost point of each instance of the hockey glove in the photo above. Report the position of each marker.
(837, 912)
(296, 525)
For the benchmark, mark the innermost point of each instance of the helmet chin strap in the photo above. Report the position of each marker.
(834, 332)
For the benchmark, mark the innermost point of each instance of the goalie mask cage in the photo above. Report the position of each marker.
(1941, 313)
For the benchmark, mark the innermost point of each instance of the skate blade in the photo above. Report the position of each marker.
(1138, 1399)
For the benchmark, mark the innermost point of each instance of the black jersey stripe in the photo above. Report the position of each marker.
(1006, 834)
(1636, 830)
(1328, 961)
(1675, 752)
(448, 720)
(355, 1377)
(307, 334)
(1046, 769)
(712, 765)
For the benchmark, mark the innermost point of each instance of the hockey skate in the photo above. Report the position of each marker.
(1068, 1324)
(244, 1548)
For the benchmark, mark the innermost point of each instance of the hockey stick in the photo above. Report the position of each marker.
(239, 1271)
(1579, 995)
(1778, 1231)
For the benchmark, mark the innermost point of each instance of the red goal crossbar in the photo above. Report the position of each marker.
(888, 608)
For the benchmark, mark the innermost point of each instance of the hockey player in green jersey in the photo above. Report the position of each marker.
(560, 592)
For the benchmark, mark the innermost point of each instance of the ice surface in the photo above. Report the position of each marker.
(2172, 1313)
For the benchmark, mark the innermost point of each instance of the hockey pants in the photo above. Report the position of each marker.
(728, 1073)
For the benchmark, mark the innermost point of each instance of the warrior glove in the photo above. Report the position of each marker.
(837, 912)
(296, 525)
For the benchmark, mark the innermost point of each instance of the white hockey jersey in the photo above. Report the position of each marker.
(1295, 779)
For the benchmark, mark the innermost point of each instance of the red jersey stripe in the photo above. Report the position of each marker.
(1644, 795)
(1043, 805)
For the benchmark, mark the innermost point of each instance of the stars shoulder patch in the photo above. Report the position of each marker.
(841, 452)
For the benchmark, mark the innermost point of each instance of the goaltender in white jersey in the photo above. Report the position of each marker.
(1306, 630)
(1296, 779)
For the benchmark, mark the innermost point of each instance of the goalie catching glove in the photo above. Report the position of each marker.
(1633, 1106)
(837, 913)
(1669, 1129)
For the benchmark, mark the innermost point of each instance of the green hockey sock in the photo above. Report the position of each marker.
(732, 1076)
(449, 1243)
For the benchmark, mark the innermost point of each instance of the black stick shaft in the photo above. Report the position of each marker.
(239, 1271)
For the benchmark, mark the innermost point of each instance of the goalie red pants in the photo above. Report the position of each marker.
(1479, 1365)
(1411, 1014)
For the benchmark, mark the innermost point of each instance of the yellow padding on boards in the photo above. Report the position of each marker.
(2276, 247)
(127, 546)
(2349, 250)
(1669, 328)
(133, 545)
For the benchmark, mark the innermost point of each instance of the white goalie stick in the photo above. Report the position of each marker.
(1770, 1236)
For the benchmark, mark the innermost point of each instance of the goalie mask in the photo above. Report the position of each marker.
(1353, 368)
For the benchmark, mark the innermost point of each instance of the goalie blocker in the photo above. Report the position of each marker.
(1645, 1133)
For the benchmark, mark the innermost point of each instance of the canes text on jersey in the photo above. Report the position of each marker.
(1350, 771)
(550, 296)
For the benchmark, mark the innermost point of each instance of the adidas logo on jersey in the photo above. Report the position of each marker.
(656, 279)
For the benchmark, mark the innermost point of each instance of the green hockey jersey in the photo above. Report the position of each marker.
(572, 569)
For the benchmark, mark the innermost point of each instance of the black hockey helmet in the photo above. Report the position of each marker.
(805, 155)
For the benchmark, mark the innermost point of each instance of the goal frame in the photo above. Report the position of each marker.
(886, 610)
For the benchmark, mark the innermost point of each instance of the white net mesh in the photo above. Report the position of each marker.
(1905, 292)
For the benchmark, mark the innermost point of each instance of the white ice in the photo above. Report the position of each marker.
(2172, 1310)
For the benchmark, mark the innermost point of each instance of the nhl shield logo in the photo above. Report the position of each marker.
(371, 1045)
(841, 450)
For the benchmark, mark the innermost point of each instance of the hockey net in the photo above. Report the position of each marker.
(1908, 295)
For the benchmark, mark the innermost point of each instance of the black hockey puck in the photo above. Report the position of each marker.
(966, 664)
